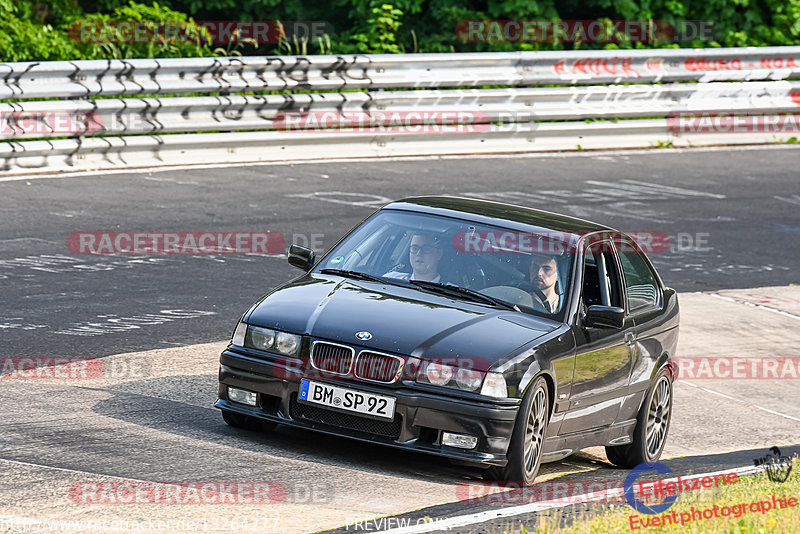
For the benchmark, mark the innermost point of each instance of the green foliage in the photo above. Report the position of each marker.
(379, 35)
(25, 37)
(60, 30)
(294, 46)
(102, 36)
(38, 29)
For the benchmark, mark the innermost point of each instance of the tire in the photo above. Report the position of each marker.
(652, 427)
(527, 439)
(247, 422)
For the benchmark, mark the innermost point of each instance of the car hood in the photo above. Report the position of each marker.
(401, 320)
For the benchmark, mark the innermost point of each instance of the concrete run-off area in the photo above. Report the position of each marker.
(148, 422)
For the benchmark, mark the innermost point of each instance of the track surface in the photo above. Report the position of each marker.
(727, 200)
(733, 218)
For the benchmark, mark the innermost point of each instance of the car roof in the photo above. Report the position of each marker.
(498, 213)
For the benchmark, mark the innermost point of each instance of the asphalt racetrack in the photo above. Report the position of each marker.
(729, 224)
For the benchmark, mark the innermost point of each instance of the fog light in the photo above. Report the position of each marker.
(462, 441)
(242, 396)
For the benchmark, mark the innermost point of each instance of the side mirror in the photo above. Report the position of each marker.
(301, 257)
(605, 316)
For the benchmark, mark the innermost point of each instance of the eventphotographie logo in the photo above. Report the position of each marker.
(640, 505)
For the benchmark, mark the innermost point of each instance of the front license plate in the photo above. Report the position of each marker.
(347, 399)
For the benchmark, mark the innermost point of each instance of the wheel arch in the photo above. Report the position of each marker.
(550, 383)
(665, 360)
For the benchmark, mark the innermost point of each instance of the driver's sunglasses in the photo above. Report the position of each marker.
(425, 249)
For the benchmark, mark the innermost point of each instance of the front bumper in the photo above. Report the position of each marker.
(420, 416)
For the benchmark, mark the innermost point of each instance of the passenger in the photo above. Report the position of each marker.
(544, 276)
(424, 255)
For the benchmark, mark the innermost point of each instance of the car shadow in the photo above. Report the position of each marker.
(183, 406)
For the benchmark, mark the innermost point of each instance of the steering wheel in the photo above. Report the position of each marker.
(530, 287)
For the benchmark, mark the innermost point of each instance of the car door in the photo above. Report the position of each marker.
(604, 355)
(645, 303)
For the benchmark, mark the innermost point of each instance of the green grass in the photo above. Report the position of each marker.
(748, 490)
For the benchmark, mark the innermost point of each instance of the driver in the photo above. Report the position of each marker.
(424, 255)
(544, 275)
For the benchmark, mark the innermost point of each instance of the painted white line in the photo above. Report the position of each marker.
(794, 199)
(481, 517)
(364, 200)
(778, 413)
(773, 412)
(759, 306)
(711, 391)
(520, 155)
(74, 471)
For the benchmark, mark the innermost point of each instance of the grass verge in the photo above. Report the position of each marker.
(739, 499)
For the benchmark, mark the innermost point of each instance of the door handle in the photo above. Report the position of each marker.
(630, 339)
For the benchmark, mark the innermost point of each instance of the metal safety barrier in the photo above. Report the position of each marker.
(120, 113)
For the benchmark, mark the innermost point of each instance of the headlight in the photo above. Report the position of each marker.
(494, 386)
(260, 338)
(287, 344)
(267, 340)
(239, 333)
(468, 380)
(439, 374)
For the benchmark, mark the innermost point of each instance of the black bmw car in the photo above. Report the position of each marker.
(482, 332)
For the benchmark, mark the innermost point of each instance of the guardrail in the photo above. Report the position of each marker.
(62, 115)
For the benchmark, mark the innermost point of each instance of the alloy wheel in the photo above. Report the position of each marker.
(534, 432)
(658, 417)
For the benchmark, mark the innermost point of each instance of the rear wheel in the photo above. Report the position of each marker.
(527, 439)
(247, 422)
(652, 427)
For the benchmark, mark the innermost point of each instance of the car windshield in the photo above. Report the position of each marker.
(523, 270)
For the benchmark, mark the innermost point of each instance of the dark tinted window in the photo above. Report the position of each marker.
(489, 259)
(639, 280)
(600, 280)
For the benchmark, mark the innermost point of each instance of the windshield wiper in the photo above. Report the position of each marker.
(353, 274)
(464, 292)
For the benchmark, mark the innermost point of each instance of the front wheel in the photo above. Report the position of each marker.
(527, 439)
(652, 426)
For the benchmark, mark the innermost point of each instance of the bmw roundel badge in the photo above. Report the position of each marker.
(363, 336)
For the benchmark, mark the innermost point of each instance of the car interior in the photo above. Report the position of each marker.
(503, 275)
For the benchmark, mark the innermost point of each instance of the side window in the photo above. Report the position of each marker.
(600, 277)
(639, 280)
(591, 282)
(397, 247)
